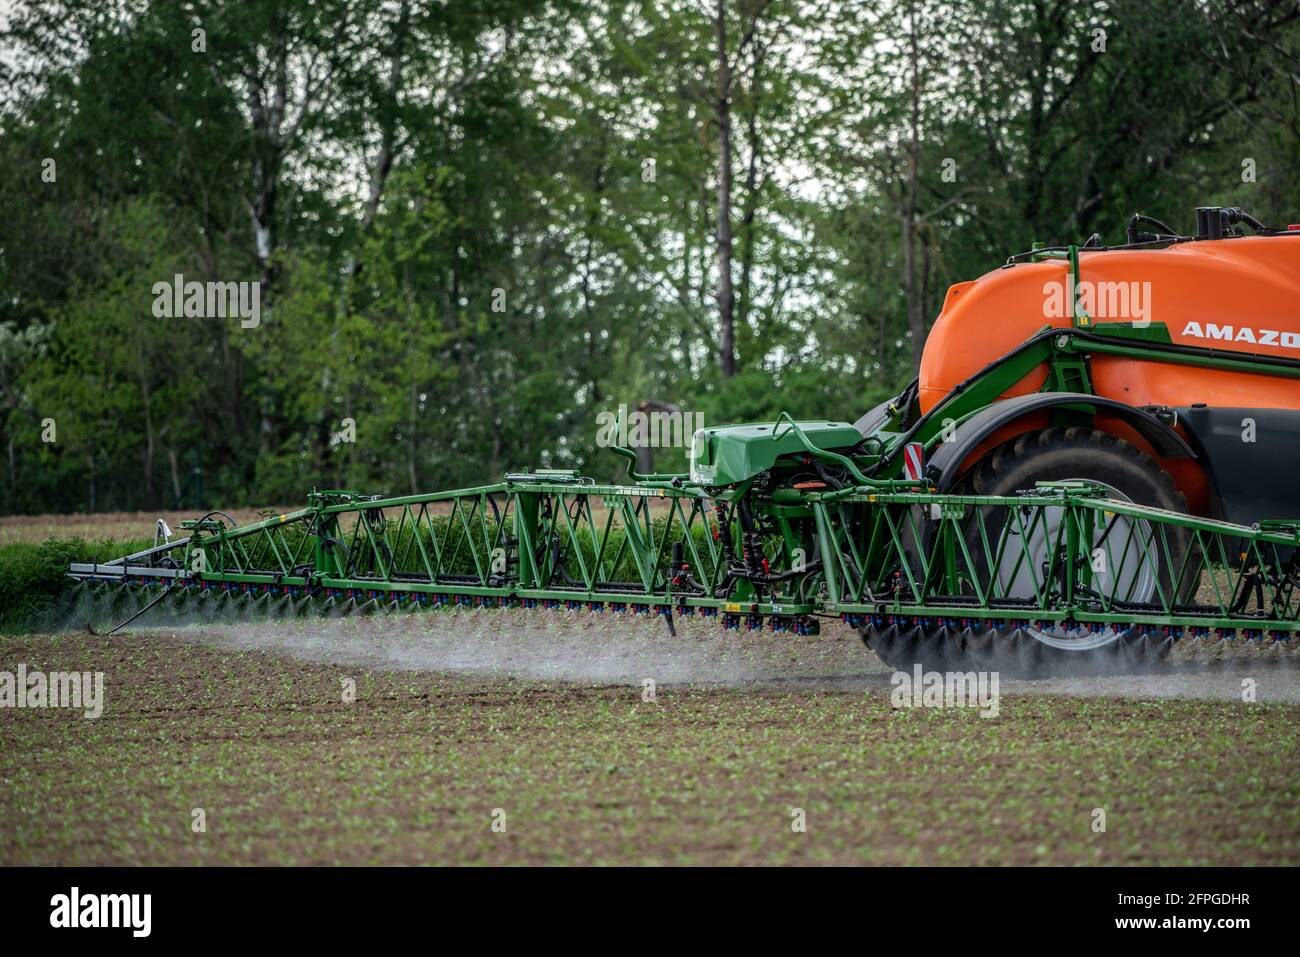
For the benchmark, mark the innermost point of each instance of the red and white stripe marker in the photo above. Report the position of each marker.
(913, 461)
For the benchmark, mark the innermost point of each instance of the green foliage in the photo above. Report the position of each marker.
(480, 224)
(34, 577)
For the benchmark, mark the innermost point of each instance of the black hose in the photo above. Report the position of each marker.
(346, 554)
(825, 477)
(1235, 214)
(90, 629)
(496, 514)
(226, 515)
(557, 562)
(1150, 221)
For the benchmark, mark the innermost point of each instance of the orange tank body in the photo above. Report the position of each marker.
(1240, 294)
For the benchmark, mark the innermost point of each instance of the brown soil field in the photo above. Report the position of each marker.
(132, 526)
(114, 526)
(466, 717)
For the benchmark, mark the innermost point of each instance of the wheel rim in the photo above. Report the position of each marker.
(1134, 578)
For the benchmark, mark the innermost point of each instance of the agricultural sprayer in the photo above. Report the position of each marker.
(1101, 454)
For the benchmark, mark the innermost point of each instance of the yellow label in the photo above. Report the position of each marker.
(732, 608)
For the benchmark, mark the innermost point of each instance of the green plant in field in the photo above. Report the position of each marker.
(34, 577)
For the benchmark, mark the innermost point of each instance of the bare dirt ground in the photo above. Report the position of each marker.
(116, 526)
(132, 526)
(542, 718)
(582, 646)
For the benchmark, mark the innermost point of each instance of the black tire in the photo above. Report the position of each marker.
(1015, 653)
(1053, 454)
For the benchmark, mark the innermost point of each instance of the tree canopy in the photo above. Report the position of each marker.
(476, 225)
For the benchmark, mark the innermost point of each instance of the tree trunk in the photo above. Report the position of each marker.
(388, 130)
(13, 477)
(413, 445)
(645, 454)
(148, 440)
(749, 211)
(911, 294)
(174, 465)
(266, 110)
(911, 288)
(722, 111)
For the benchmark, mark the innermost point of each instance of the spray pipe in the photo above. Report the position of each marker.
(630, 455)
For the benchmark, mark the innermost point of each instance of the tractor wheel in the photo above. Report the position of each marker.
(1017, 653)
(1054, 455)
